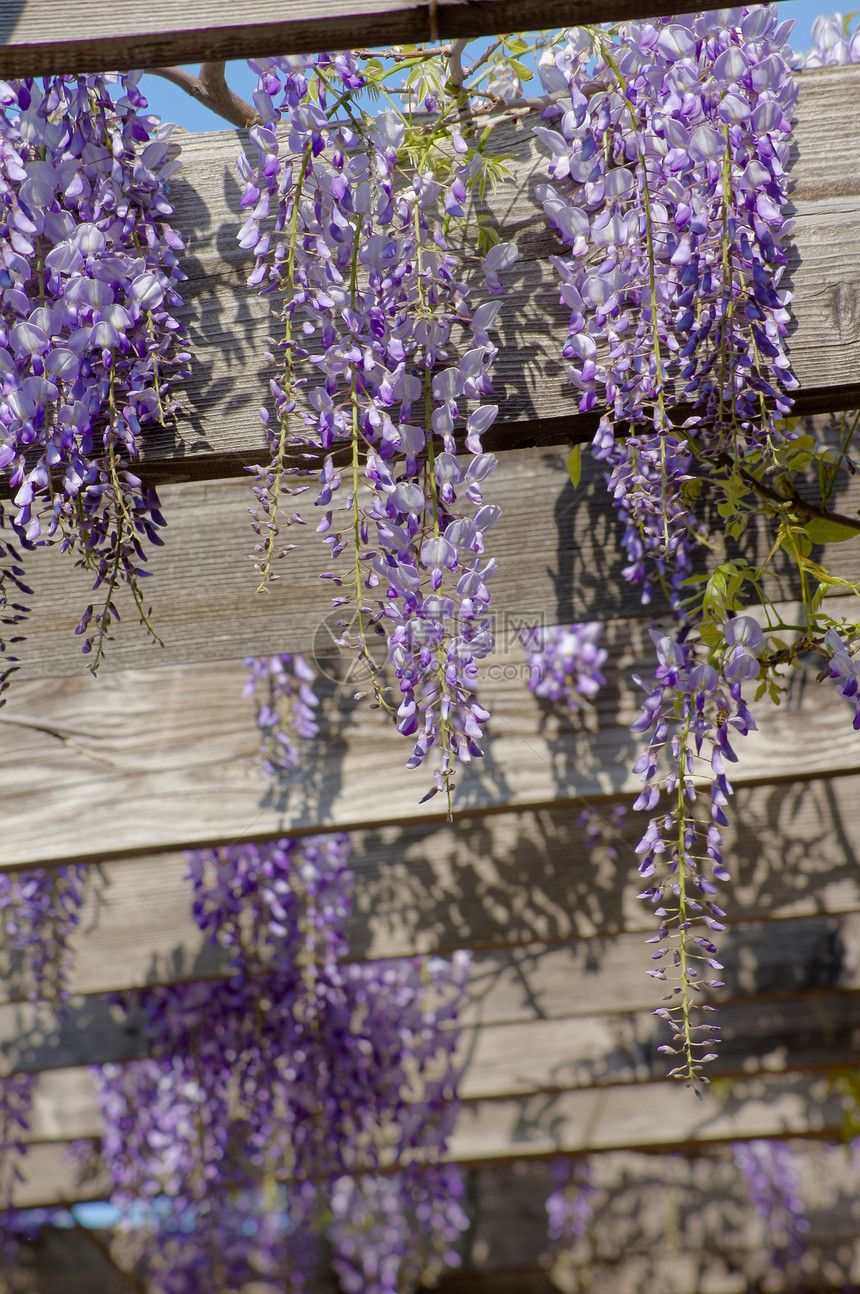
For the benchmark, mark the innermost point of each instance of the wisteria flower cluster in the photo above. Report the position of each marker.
(692, 707)
(389, 1233)
(774, 1189)
(88, 337)
(40, 912)
(570, 1207)
(286, 708)
(668, 181)
(565, 663)
(360, 224)
(668, 147)
(297, 1069)
(832, 42)
(16, 1100)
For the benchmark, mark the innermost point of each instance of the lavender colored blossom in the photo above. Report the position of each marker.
(667, 182)
(40, 913)
(286, 708)
(774, 1190)
(570, 1207)
(371, 277)
(88, 337)
(16, 1100)
(692, 707)
(565, 662)
(298, 1069)
(391, 1233)
(832, 43)
(846, 668)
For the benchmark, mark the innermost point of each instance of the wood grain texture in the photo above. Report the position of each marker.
(550, 916)
(183, 739)
(528, 1058)
(511, 1044)
(44, 36)
(558, 550)
(657, 1116)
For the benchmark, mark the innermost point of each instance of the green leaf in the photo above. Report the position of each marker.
(828, 532)
(574, 464)
(524, 73)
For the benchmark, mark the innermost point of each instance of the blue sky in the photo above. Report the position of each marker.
(173, 104)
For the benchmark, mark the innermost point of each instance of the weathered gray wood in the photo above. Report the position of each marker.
(528, 1051)
(655, 1116)
(508, 880)
(43, 36)
(558, 550)
(183, 739)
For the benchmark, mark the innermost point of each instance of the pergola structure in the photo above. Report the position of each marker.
(559, 1044)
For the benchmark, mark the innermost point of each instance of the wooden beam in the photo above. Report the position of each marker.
(519, 886)
(570, 1016)
(72, 750)
(558, 550)
(658, 1116)
(46, 36)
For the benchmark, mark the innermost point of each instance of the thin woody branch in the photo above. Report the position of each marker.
(211, 89)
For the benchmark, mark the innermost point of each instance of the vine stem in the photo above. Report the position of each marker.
(264, 566)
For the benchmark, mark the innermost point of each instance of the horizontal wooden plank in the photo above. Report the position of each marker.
(183, 739)
(45, 36)
(654, 1116)
(528, 1053)
(680, 1224)
(505, 881)
(558, 551)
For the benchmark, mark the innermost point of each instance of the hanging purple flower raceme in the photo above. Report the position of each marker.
(391, 1233)
(668, 182)
(565, 662)
(832, 43)
(846, 668)
(88, 338)
(774, 1190)
(296, 1069)
(16, 1101)
(40, 913)
(692, 708)
(668, 147)
(371, 274)
(570, 1207)
(286, 708)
